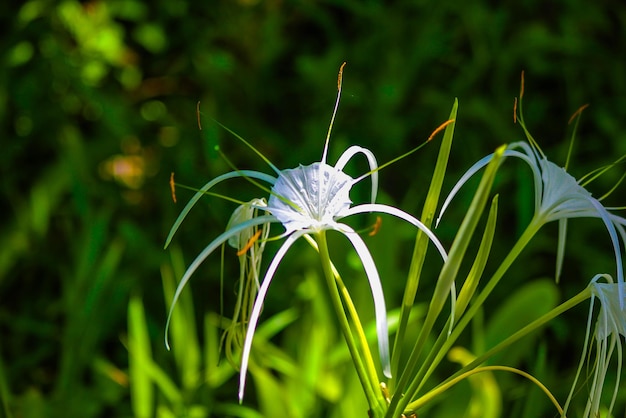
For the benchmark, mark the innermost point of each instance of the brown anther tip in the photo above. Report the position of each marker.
(577, 113)
(250, 243)
(376, 226)
(521, 89)
(173, 187)
(440, 128)
(340, 76)
(515, 110)
(198, 115)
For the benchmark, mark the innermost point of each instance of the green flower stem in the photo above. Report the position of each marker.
(453, 381)
(442, 349)
(444, 341)
(533, 326)
(367, 375)
(354, 316)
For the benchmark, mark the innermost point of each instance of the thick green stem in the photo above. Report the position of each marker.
(445, 342)
(366, 374)
(533, 326)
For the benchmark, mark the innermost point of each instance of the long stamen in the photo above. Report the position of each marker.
(575, 116)
(239, 137)
(439, 129)
(332, 119)
(577, 113)
(198, 115)
(250, 243)
(406, 154)
(376, 226)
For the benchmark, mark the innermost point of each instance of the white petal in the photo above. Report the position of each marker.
(371, 159)
(377, 294)
(604, 214)
(258, 305)
(377, 207)
(310, 196)
(562, 195)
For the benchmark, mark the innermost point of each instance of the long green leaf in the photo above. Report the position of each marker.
(141, 387)
(448, 274)
(421, 241)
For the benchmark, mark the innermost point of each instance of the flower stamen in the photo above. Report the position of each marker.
(173, 187)
(332, 119)
(250, 243)
(198, 115)
(577, 113)
(376, 226)
(440, 128)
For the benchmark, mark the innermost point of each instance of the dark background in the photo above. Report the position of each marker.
(98, 107)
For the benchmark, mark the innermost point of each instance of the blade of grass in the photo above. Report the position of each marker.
(185, 345)
(421, 241)
(141, 389)
(405, 391)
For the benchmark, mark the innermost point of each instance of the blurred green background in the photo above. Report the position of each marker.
(98, 107)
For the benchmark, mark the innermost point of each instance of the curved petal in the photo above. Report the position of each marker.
(371, 159)
(243, 173)
(606, 218)
(377, 293)
(390, 210)
(310, 196)
(531, 157)
(258, 305)
(204, 254)
(483, 162)
(560, 249)
(464, 178)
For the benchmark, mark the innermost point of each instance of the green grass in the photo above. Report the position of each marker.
(98, 107)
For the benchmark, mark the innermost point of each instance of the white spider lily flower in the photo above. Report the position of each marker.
(306, 200)
(610, 326)
(558, 196)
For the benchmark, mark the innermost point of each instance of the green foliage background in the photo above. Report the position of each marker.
(98, 107)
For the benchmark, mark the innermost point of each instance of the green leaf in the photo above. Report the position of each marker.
(184, 338)
(421, 241)
(141, 387)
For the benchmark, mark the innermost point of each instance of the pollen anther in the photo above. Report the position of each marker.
(250, 243)
(376, 226)
(439, 129)
(173, 187)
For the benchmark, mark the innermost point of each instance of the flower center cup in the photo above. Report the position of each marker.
(312, 196)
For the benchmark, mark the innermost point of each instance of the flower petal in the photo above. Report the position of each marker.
(371, 159)
(310, 196)
(606, 217)
(560, 250)
(258, 305)
(377, 293)
(390, 210)
(509, 152)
